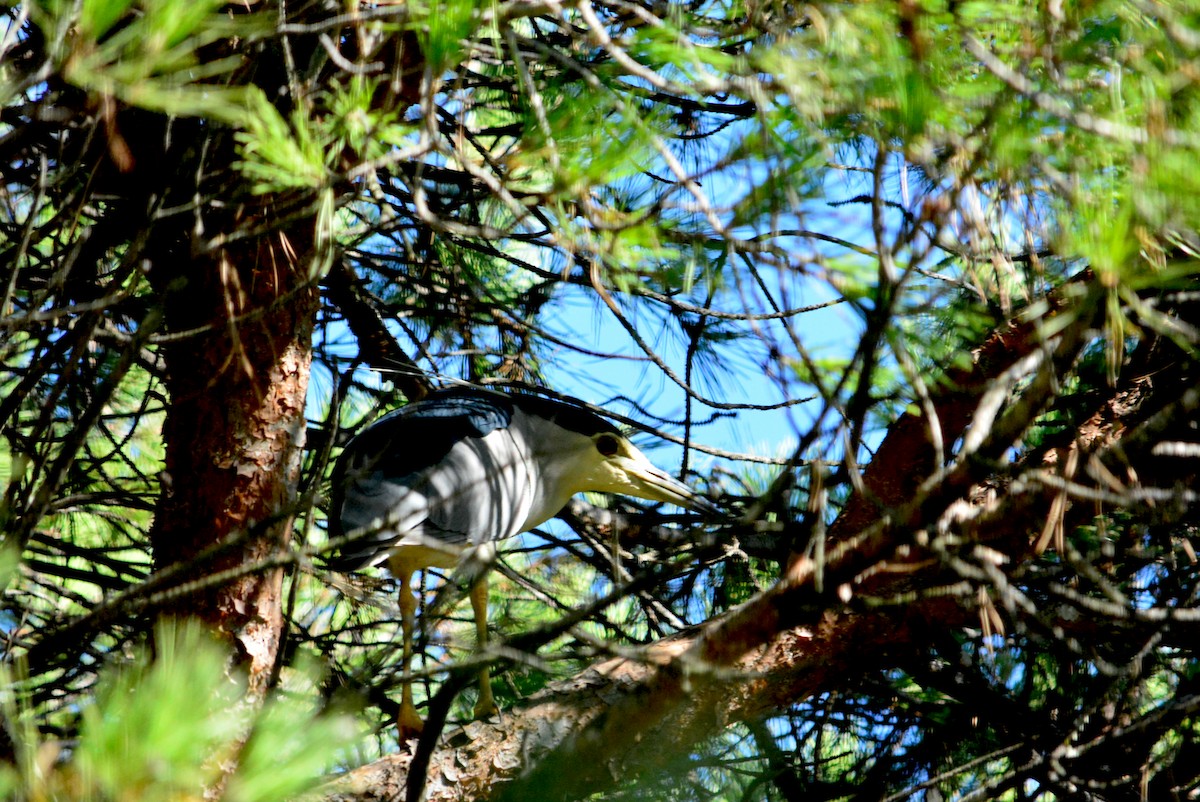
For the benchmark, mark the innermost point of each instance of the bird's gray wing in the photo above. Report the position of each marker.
(397, 478)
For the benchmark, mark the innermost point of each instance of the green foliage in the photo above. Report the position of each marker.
(280, 154)
(160, 728)
(447, 24)
(671, 189)
(175, 725)
(292, 748)
(146, 54)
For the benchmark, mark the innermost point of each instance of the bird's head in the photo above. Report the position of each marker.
(612, 464)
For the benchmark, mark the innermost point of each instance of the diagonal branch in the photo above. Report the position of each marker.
(891, 580)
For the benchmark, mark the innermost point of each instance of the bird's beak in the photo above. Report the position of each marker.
(650, 482)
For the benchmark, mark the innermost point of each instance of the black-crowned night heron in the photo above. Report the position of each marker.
(441, 480)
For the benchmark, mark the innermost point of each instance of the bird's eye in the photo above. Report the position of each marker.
(606, 444)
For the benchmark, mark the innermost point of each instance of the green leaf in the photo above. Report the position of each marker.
(156, 728)
(146, 53)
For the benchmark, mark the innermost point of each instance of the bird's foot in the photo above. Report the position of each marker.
(409, 723)
(486, 707)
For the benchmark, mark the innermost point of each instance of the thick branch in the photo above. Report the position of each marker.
(376, 345)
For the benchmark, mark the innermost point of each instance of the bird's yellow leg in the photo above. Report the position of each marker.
(408, 721)
(486, 706)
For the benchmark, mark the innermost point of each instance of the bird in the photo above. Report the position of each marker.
(436, 483)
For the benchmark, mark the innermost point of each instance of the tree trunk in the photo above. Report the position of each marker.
(234, 432)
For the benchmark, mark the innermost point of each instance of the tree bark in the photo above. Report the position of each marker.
(237, 376)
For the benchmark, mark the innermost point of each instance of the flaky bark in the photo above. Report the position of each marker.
(237, 376)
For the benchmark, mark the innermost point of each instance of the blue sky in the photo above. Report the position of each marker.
(576, 315)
